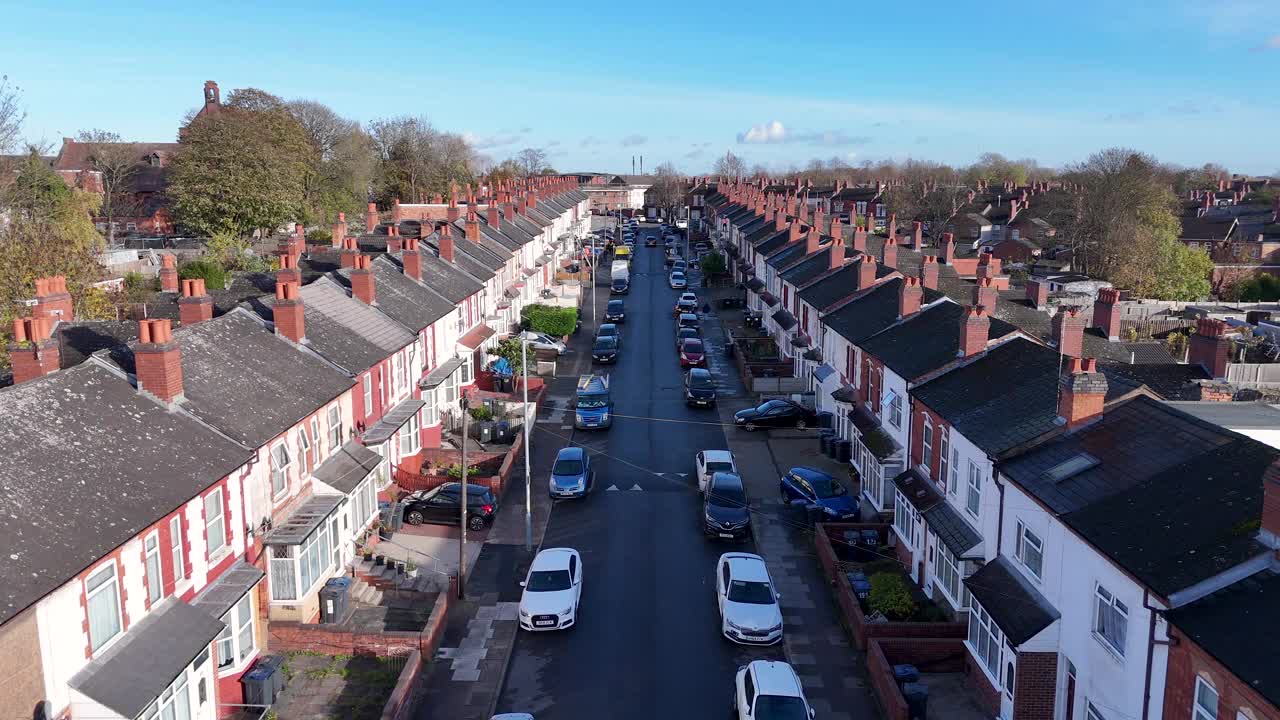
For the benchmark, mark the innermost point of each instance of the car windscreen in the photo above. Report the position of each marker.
(615, 306)
(768, 406)
(593, 401)
(717, 466)
(779, 707)
(606, 343)
(826, 487)
(728, 496)
(702, 382)
(567, 467)
(548, 581)
(692, 345)
(751, 593)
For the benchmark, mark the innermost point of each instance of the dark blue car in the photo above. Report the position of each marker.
(571, 475)
(809, 486)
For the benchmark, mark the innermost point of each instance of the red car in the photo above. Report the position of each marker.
(692, 353)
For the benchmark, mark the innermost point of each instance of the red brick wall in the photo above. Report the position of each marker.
(287, 636)
(918, 414)
(987, 695)
(1035, 686)
(23, 685)
(1187, 660)
(892, 705)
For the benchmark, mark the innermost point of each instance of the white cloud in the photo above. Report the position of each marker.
(485, 142)
(775, 133)
(772, 132)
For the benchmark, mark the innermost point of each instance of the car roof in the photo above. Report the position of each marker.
(809, 473)
(618, 301)
(745, 566)
(570, 453)
(553, 559)
(608, 325)
(457, 487)
(774, 677)
(717, 455)
(722, 479)
(700, 372)
(686, 342)
(690, 316)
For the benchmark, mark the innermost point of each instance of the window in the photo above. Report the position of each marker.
(904, 519)
(430, 411)
(102, 599)
(235, 644)
(175, 548)
(944, 458)
(1091, 712)
(1111, 623)
(155, 581)
(284, 582)
(214, 526)
(973, 501)
(304, 448)
(1206, 707)
(410, 437)
(926, 447)
(335, 429)
(366, 502)
(893, 407)
(367, 382)
(948, 572)
(314, 557)
(1029, 550)
(174, 702)
(280, 461)
(985, 640)
(466, 372)
(315, 437)
(451, 390)
(397, 372)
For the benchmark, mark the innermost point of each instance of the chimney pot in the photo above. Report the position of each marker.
(168, 274)
(158, 361)
(948, 248)
(1210, 348)
(929, 272)
(288, 312)
(33, 352)
(910, 296)
(52, 299)
(370, 218)
(1106, 312)
(1082, 391)
(362, 286)
(866, 272)
(975, 325)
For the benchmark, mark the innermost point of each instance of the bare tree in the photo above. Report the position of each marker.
(667, 191)
(532, 160)
(407, 155)
(343, 160)
(11, 115)
(730, 166)
(117, 163)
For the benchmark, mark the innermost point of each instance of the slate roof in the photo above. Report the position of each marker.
(808, 268)
(943, 520)
(1167, 497)
(85, 438)
(445, 278)
(868, 314)
(1239, 627)
(1171, 381)
(1233, 415)
(785, 319)
(926, 341)
(1000, 400)
(1016, 606)
(78, 340)
(830, 289)
(786, 255)
(404, 299)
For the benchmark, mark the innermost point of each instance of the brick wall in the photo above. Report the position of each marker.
(987, 695)
(928, 656)
(285, 636)
(399, 705)
(892, 705)
(1187, 661)
(1035, 686)
(22, 680)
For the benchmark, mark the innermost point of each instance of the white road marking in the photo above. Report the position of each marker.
(637, 487)
(611, 488)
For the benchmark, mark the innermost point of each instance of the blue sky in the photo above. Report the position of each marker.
(777, 83)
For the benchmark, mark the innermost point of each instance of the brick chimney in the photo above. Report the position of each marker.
(394, 242)
(52, 299)
(910, 295)
(362, 280)
(1209, 347)
(866, 271)
(890, 252)
(812, 241)
(446, 243)
(975, 325)
(948, 248)
(837, 229)
(929, 272)
(1082, 392)
(860, 239)
(289, 271)
(411, 258)
(1038, 293)
(195, 305)
(917, 235)
(350, 249)
(472, 226)
(370, 218)
(893, 225)
(34, 352)
(837, 255)
(395, 212)
(494, 217)
(453, 212)
(796, 232)
(288, 312)
(985, 294)
(168, 274)
(158, 361)
(1270, 534)
(1106, 313)
(780, 221)
(338, 230)
(1068, 332)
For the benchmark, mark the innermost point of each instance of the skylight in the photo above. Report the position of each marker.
(1071, 467)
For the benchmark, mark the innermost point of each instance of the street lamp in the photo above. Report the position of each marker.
(528, 477)
(463, 402)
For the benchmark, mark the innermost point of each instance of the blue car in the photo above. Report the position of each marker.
(571, 475)
(809, 486)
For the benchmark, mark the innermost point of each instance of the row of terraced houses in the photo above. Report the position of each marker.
(175, 485)
(1113, 555)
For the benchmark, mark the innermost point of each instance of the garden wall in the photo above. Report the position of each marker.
(285, 636)
(928, 655)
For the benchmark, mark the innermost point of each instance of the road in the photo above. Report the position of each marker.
(647, 643)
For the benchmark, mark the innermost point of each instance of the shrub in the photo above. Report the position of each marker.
(713, 264)
(215, 278)
(481, 413)
(320, 236)
(554, 321)
(455, 471)
(890, 596)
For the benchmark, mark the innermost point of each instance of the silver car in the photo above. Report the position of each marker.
(541, 341)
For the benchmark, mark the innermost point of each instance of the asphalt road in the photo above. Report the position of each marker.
(647, 642)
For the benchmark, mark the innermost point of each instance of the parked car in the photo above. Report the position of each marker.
(571, 474)
(687, 320)
(725, 512)
(692, 353)
(691, 297)
(677, 281)
(749, 612)
(552, 590)
(606, 349)
(811, 487)
(619, 286)
(615, 311)
(775, 413)
(709, 462)
(671, 258)
(683, 333)
(702, 246)
(765, 689)
(608, 330)
(651, 241)
(679, 266)
(685, 306)
(542, 341)
(699, 388)
(443, 505)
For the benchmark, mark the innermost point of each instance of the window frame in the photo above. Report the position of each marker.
(893, 409)
(210, 550)
(982, 621)
(973, 495)
(177, 556)
(335, 428)
(926, 446)
(431, 408)
(1106, 600)
(1199, 711)
(282, 471)
(304, 451)
(1021, 544)
(154, 576)
(235, 636)
(91, 592)
(944, 454)
(366, 385)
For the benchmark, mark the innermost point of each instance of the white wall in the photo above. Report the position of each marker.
(893, 383)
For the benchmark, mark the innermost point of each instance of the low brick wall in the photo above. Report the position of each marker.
(927, 655)
(399, 705)
(892, 705)
(284, 636)
(851, 615)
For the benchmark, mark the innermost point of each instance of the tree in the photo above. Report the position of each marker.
(508, 169)
(713, 264)
(1259, 288)
(116, 163)
(415, 160)
(343, 162)
(511, 349)
(667, 191)
(242, 169)
(11, 118)
(730, 166)
(930, 192)
(996, 168)
(532, 161)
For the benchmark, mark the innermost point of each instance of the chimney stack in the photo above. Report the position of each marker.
(33, 353)
(893, 225)
(917, 235)
(910, 296)
(289, 271)
(350, 249)
(1106, 313)
(395, 212)
(168, 274)
(338, 230)
(1068, 332)
(370, 218)
(1082, 392)
(453, 212)
(158, 361)
(812, 241)
(948, 248)
(860, 239)
(985, 294)
(472, 227)
(890, 252)
(866, 271)
(494, 217)
(1038, 293)
(53, 301)
(1210, 348)
(796, 232)
(975, 326)
(362, 280)
(411, 258)
(288, 312)
(837, 254)
(929, 272)
(446, 243)
(195, 305)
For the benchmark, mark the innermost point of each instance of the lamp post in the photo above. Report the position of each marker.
(528, 478)
(462, 546)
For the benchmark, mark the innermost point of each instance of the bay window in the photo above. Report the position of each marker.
(430, 411)
(295, 569)
(985, 640)
(410, 437)
(949, 576)
(102, 601)
(174, 702)
(236, 643)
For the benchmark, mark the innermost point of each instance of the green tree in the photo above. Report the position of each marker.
(241, 169)
(343, 162)
(890, 596)
(713, 264)
(511, 349)
(1259, 288)
(415, 160)
(215, 277)
(554, 321)
(1180, 272)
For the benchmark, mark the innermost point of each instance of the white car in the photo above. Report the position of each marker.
(688, 296)
(677, 281)
(769, 689)
(710, 462)
(540, 341)
(749, 612)
(682, 224)
(551, 590)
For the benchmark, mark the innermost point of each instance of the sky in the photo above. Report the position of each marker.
(599, 84)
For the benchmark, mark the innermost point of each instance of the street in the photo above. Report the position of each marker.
(647, 642)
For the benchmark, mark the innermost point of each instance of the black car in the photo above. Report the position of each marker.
(725, 513)
(699, 388)
(651, 241)
(615, 312)
(605, 349)
(443, 505)
(619, 287)
(775, 413)
(683, 334)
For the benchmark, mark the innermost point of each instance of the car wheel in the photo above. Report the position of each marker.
(801, 424)
(749, 427)
(476, 522)
(414, 517)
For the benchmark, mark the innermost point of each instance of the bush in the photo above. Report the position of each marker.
(890, 596)
(455, 471)
(215, 278)
(481, 413)
(554, 321)
(713, 264)
(320, 236)
(511, 350)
